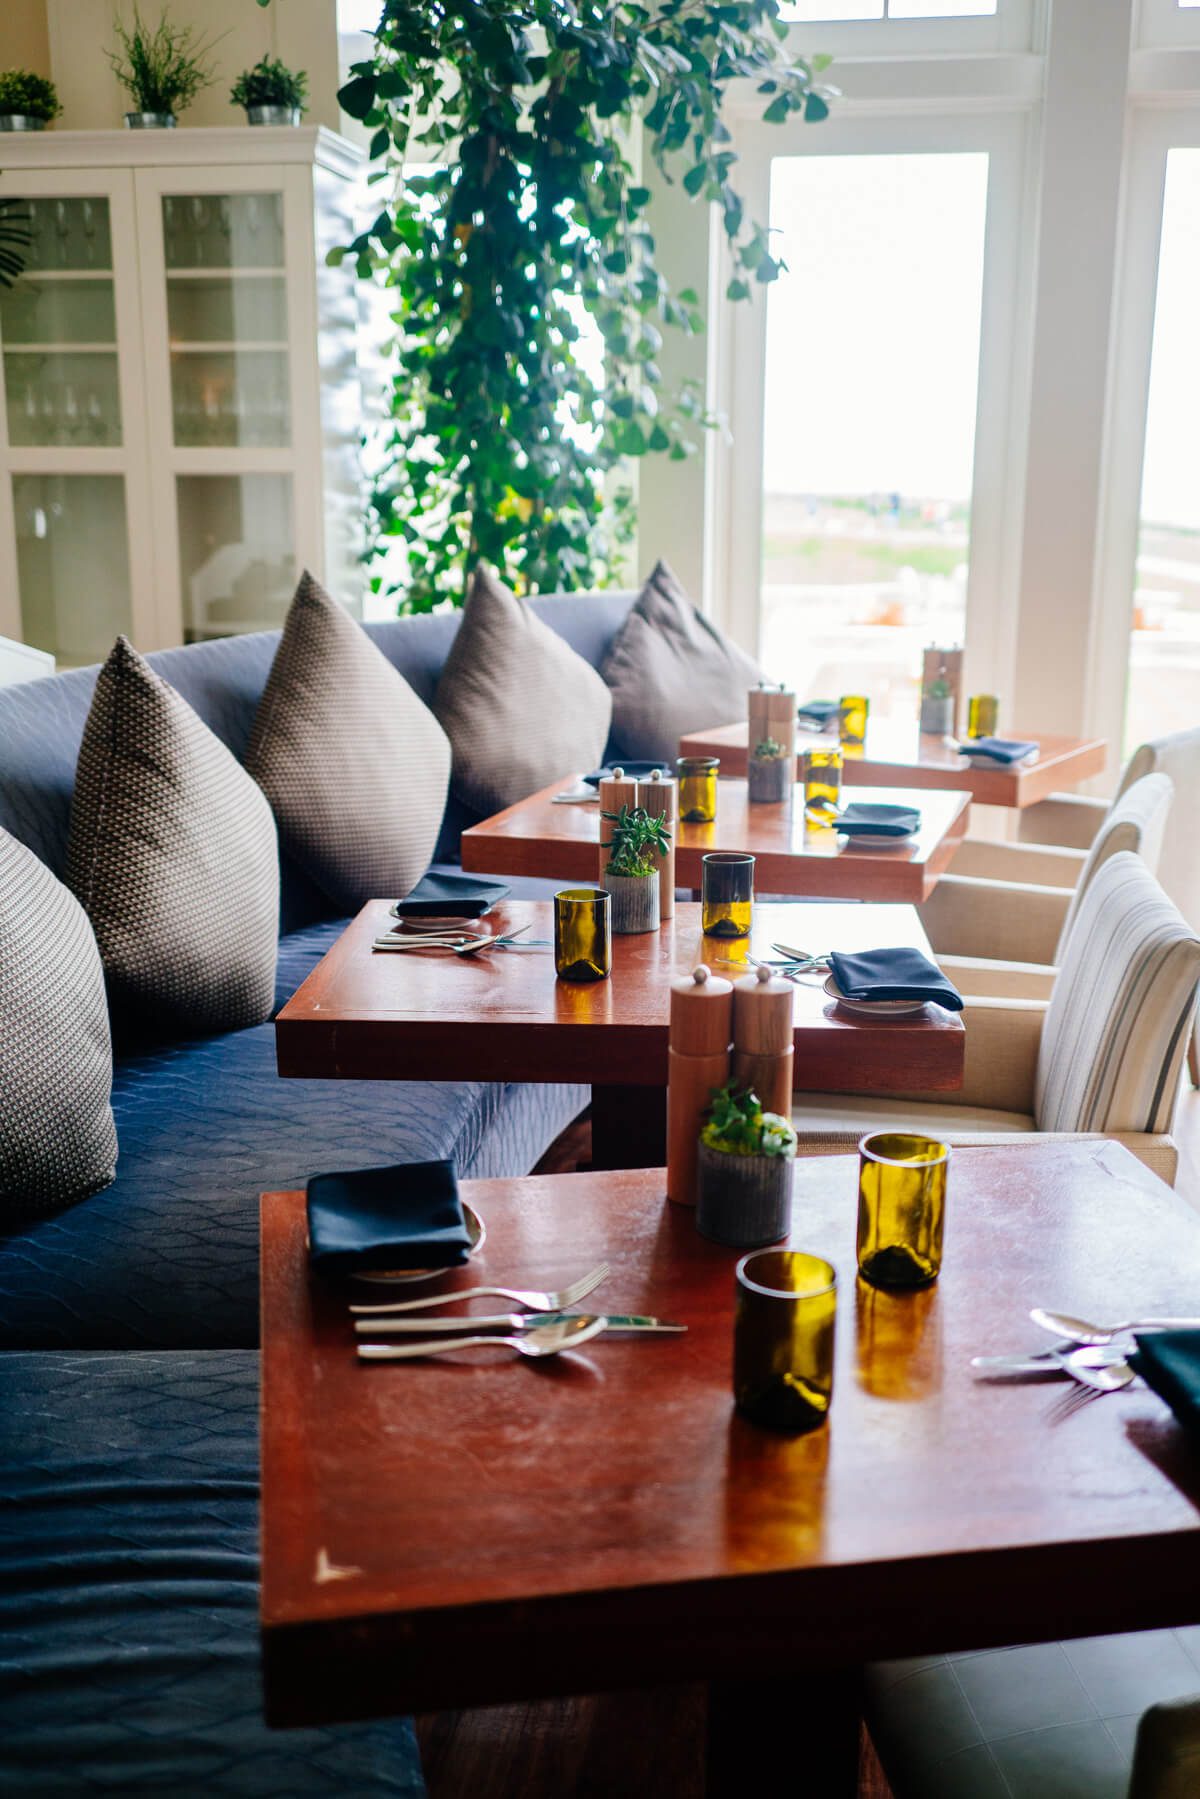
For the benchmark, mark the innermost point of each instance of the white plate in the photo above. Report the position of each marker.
(874, 1008)
(874, 840)
(398, 1277)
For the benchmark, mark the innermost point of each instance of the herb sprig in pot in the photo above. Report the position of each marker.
(162, 68)
(271, 93)
(768, 774)
(28, 102)
(937, 708)
(631, 872)
(744, 1194)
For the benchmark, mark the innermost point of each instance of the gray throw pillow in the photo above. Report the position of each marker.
(356, 768)
(519, 705)
(57, 1140)
(671, 672)
(173, 855)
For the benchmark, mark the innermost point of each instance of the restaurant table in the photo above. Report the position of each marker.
(898, 755)
(475, 1530)
(538, 837)
(429, 1015)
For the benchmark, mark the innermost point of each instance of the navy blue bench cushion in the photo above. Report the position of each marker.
(129, 1652)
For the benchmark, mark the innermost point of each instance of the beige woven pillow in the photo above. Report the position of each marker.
(173, 855)
(57, 1140)
(356, 768)
(518, 704)
(671, 671)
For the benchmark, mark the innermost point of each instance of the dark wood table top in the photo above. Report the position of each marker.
(537, 837)
(427, 1015)
(477, 1529)
(898, 755)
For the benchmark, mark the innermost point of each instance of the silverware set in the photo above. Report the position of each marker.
(460, 943)
(793, 964)
(1095, 1355)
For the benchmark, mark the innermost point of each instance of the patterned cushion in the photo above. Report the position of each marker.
(1117, 1026)
(518, 704)
(1137, 822)
(355, 767)
(173, 854)
(57, 1140)
(129, 1649)
(671, 671)
(1177, 756)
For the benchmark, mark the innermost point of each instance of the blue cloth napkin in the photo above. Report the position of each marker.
(1169, 1361)
(1005, 750)
(636, 771)
(819, 712)
(866, 820)
(893, 974)
(439, 895)
(373, 1219)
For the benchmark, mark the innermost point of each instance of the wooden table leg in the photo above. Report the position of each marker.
(798, 1735)
(629, 1127)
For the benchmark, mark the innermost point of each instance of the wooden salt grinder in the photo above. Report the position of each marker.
(615, 791)
(772, 713)
(762, 1039)
(657, 796)
(697, 1062)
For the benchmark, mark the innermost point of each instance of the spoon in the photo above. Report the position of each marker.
(548, 1339)
(1078, 1330)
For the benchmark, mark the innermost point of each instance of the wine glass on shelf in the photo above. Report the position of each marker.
(62, 227)
(87, 219)
(199, 212)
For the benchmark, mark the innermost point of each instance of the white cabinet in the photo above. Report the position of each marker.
(180, 407)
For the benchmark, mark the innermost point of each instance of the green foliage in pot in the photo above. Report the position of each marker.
(636, 839)
(24, 93)
(162, 68)
(525, 247)
(271, 83)
(938, 690)
(738, 1126)
(769, 750)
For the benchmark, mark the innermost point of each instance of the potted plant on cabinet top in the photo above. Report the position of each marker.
(631, 873)
(28, 102)
(162, 69)
(937, 709)
(768, 773)
(271, 93)
(744, 1191)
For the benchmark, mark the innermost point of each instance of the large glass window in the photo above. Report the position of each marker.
(870, 397)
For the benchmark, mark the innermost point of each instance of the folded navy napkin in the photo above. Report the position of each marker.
(373, 1219)
(866, 820)
(439, 895)
(636, 771)
(1000, 749)
(893, 974)
(1169, 1361)
(819, 712)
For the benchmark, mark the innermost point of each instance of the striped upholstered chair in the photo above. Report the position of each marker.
(1008, 938)
(1103, 1056)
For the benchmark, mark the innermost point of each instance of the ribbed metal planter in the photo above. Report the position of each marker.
(744, 1201)
(20, 121)
(634, 904)
(150, 121)
(768, 779)
(937, 717)
(272, 115)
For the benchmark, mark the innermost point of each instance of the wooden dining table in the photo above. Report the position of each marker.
(897, 754)
(476, 1529)
(425, 1014)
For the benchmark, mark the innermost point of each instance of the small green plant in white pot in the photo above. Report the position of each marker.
(631, 872)
(768, 773)
(271, 93)
(28, 102)
(937, 709)
(744, 1191)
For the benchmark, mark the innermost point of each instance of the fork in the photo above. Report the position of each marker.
(548, 1339)
(531, 1299)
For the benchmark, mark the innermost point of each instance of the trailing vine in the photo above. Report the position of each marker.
(506, 138)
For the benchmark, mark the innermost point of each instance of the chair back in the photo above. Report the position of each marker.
(1179, 757)
(1136, 821)
(1120, 1018)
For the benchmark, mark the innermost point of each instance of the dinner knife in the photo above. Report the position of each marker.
(465, 1325)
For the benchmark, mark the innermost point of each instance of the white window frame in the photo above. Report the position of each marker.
(1013, 26)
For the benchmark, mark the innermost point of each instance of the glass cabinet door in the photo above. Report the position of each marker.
(72, 563)
(236, 558)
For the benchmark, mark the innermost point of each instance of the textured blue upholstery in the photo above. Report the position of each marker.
(129, 1653)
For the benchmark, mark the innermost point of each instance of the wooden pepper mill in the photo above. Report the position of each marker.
(697, 1062)
(616, 790)
(762, 1039)
(772, 713)
(657, 797)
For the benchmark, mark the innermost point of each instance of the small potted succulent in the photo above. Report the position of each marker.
(744, 1191)
(769, 773)
(937, 709)
(28, 102)
(162, 69)
(271, 93)
(631, 872)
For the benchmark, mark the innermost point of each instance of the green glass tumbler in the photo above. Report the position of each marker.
(698, 789)
(582, 934)
(822, 786)
(726, 894)
(852, 718)
(901, 1208)
(983, 715)
(785, 1308)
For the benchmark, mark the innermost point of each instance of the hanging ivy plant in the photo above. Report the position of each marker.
(528, 223)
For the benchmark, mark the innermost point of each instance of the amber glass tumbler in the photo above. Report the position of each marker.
(822, 785)
(726, 894)
(901, 1208)
(852, 718)
(785, 1307)
(698, 788)
(582, 934)
(983, 715)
